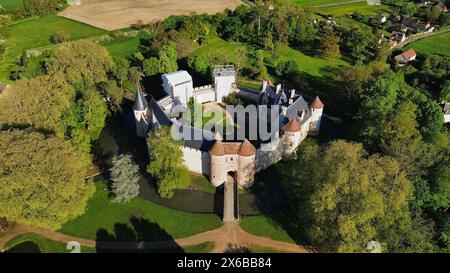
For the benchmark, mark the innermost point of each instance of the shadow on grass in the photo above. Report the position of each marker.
(137, 230)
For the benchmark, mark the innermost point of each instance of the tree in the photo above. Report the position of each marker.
(168, 58)
(356, 41)
(41, 110)
(199, 64)
(166, 162)
(125, 178)
(152, 66)
(42, 179)
(120, 70)
(445, 93)
(113, 93)
(286, 69)
(329, 44)
(440, 186)
(84, 62)
(134, 74)
(259, 69)
(60, 36)
(351, 198)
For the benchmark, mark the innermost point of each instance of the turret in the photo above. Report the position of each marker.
(291, 138)
(141, 114)
(247, 165)
(218, 164)
(316, 108)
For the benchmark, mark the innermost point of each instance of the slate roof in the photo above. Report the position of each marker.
(140, 102)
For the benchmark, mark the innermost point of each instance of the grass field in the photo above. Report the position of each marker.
(10, 3)
(101, 213)
(361, 7)
(263, 226)
(217, 48)
(37, 32)
(123, 48)
(439, 45)
(318, 2)
(45, 245)
(313, 66)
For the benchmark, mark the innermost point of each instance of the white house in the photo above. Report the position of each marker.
(446, 111)
(406, 57)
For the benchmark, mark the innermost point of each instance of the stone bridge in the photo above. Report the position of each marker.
(231, 201)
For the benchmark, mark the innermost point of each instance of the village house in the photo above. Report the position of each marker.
(446, 111)
(441, 7)
(396, 38)
(424, 2)
(413, 25)
(383, 17)
(405, 57)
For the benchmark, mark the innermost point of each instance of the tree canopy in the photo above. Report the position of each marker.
(354, 198)
(166, 162)
(42, 179)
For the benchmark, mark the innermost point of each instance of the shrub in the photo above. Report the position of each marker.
(60, 36)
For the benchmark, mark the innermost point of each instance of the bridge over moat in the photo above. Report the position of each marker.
(231, 200)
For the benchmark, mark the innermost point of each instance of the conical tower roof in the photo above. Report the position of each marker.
(217, 149)
(247, 149)
(317, 103)
(140, 103)
(292, 126)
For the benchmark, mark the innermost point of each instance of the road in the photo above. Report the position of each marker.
(226, 238)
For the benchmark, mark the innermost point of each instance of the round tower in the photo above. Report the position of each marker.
(218, 164)
(291, 138)
(246, 165)
(141, 114)
(316, 108)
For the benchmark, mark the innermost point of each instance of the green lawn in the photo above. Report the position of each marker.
(263, 226)
(313, 66)
(101, 213)
(317, 2)
(361, 7)
(45, 245)
(10, 3)
(123, 48)
(201, 183)
(439, 45)
(37, 32)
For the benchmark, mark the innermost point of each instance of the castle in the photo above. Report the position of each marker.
(213, 156)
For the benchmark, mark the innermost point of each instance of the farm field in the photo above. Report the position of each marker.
(118, 14)
(37, 32)
(438, 45)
